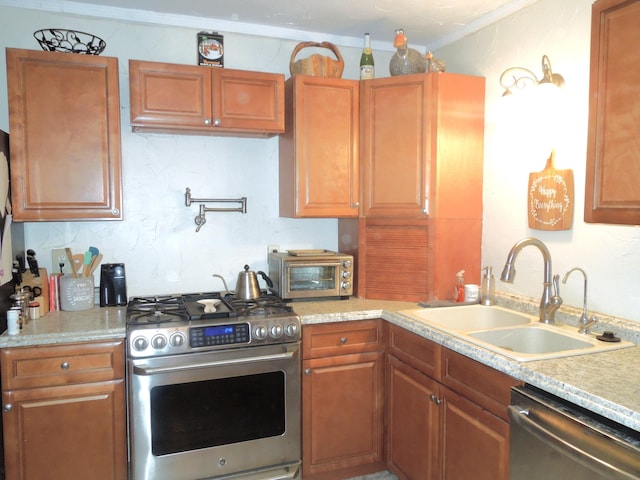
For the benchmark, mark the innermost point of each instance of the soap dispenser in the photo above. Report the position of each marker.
(458, 295)
(488, 287)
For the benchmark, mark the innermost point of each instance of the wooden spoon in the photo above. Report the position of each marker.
(95, 261)
(78, 261)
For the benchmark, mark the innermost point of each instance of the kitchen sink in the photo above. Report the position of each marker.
(513, 334)
(536, 341)
(470, 317)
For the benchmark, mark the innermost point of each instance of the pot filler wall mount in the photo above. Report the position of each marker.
(201, 219)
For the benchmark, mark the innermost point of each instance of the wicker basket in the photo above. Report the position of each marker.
(317, 65)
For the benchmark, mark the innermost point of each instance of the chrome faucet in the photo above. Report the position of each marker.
(549, 304)
(585, 321)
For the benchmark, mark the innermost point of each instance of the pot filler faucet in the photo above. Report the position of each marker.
(549, 304)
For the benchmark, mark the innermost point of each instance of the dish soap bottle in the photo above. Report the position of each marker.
(459, 290)
(367, 69)
(488, 287)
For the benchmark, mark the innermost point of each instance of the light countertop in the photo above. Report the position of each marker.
(606, 383)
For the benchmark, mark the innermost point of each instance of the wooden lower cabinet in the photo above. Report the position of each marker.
(475, 443)
(434, 430)
(414, 422)
(64, 412)
(342, 400)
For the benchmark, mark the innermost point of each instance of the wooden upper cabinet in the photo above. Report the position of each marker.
(613, 153)
(64, 120)
(319, 150)
(422, 146)
(394, 147)
(194, 99)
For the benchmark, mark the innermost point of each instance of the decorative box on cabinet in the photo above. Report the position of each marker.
(203, 100)
(64, 411)
(342, 400)
(64, 120)
(460, 427)
(319, 150)
(421, 151)
(613, 153)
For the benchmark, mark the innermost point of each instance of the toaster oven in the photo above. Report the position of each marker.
(309, 274)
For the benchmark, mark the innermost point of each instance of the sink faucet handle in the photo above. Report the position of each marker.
(556, 285)
(586, 324)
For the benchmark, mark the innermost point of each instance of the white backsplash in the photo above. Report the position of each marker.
(157, 240)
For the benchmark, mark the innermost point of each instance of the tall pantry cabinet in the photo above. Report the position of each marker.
(421, 158)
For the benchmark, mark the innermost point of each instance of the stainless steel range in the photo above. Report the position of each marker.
(213, 387)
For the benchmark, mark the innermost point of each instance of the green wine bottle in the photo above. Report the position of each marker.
(367, 70)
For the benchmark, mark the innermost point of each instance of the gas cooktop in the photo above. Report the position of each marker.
(201, 306)
(168, 325)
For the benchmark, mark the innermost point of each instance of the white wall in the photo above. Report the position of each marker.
(157, 240)
(515, 147)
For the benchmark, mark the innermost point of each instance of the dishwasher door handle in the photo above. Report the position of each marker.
(566, 435)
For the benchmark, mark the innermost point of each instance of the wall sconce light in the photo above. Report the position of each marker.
(520, 77)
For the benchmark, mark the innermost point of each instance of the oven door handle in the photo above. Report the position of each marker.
(146, 370)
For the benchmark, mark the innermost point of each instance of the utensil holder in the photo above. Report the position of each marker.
(76, 293)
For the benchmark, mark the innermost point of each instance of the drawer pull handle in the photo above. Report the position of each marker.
(435, 399)
(307, 371)
(343, 340)
(7, 407)
(64, 365)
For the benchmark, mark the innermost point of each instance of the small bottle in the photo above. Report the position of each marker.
(367, 70)
(13, 321)
(488, 287)
(459, 290)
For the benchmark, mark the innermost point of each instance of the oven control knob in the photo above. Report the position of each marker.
(291, 330)
(276, 331)
(159, 342)
(345, 285)
(346, 274)
(176, 340)
(346, 264)
(140, 344)
(260, 332)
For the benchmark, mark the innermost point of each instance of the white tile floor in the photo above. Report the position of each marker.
(377, 476)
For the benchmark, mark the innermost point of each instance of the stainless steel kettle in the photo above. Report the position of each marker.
(247, 287)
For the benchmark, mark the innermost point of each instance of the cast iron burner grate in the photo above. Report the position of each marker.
(157, 309)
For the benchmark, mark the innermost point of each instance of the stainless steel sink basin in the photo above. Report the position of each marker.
(470, 317)
(513, 334)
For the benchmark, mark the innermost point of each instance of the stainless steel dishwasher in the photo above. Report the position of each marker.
(555, 440)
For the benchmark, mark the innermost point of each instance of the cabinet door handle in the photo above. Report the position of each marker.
(64, 365)
(216, 122)
(307, 371)
(343, 340)
(435, 399)
(7, 407)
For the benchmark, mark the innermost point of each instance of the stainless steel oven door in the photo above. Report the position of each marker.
(215, 414)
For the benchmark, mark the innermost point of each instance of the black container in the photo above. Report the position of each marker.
(113, 285)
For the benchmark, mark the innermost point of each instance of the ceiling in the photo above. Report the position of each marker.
(427, 23)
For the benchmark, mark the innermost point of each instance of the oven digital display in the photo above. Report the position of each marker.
(219, 335)
(218, 330)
